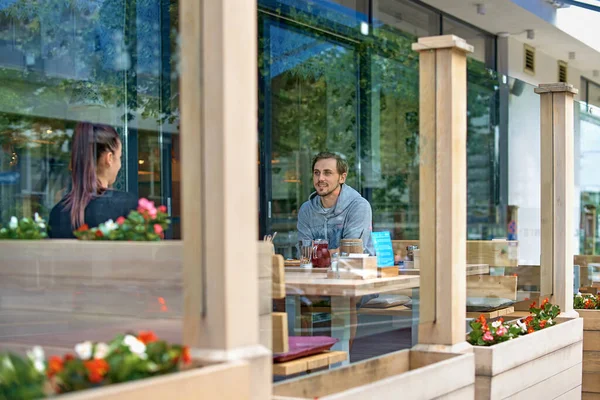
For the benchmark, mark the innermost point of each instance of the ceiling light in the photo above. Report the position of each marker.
(364, 28)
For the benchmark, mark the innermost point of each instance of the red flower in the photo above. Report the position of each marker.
(158, 229)
(83, 228)
(187, 357)
(530, 330)
(147, 337)
(55, 365)
(99, 234)
(120, 220)
(532, 305)
(162, 209)
(543, 323)
(68, 357)
(544, 302)
(96, 369)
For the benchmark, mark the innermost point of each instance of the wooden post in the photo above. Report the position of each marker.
(219, 176)
(443, 190)
(557, 193)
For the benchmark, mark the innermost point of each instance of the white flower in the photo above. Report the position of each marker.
(496, 324)
(14, 223)
(84, 350)
(135, 346)
(38, 219)
(36, 353)
(521, 325)
(549, 322)
(101, 351)
(37, 356)
(39, 366)
(579, 295)
(108, 227)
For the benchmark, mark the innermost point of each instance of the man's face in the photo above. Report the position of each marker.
(326, 177)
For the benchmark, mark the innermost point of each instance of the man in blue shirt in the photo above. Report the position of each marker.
(334, 211)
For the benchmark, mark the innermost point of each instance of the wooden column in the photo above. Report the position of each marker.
(557, 193)
(443, 190)
(219, 185)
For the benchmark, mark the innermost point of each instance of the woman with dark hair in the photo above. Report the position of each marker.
(95, 163)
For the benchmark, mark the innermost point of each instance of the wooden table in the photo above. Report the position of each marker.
(344, 294)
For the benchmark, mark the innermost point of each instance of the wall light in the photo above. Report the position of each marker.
(481, 9)
(530, 34)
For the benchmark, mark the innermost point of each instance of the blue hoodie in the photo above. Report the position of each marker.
(347, 219)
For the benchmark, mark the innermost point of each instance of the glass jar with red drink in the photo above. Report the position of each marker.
(320, 256)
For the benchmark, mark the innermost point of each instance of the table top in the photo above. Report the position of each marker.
(472, 269)
(320, 285)
(314, 282)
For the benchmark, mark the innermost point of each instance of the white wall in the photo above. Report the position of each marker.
(524, 149)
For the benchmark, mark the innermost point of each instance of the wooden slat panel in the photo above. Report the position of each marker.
(556, 385)
(492, 286)
(496, 253)
(280, 332)
(427, 188)
(278, 277)
(591, 361)
(591, 382)
(305, 364)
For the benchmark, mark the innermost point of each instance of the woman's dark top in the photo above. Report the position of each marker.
(110, 205)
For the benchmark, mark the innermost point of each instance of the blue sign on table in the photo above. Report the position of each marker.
(383, 248)
(9, 178)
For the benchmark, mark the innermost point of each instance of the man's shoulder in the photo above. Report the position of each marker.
(305, 207)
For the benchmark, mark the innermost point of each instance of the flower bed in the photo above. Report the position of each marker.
(518, 358)
(588, 307)
(92, 365)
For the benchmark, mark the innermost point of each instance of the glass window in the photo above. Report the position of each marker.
(484, 43)
(405, 16)
(102, 62)
(112, 62)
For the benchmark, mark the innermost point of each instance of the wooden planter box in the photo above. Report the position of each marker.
(213, 382)
(116, 278)
(391, 376)
(543, 365)
(591, 353)
(86, 290)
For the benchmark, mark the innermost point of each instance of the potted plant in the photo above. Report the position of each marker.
(588, 307)
(517, 357)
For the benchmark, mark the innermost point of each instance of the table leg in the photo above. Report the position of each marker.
(341, 307)
(414, 331)
(292, 308)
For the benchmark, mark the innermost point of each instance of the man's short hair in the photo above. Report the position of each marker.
(342, 164)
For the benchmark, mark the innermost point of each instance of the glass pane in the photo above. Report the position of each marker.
(587, 192)
(484, 44)
(405, 16)
(111, 62)
(313, 91)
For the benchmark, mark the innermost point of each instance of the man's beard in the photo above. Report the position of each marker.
(331, 191)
